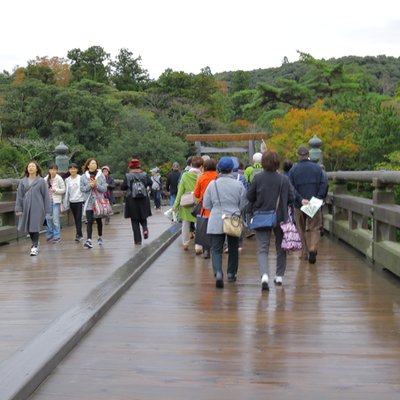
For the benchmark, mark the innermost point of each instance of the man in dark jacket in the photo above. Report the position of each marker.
(172, 183)
(308, 180)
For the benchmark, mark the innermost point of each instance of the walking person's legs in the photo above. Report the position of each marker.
(280, 256)
(217, 244)
(56, 223)
(185, 234)
(137, 236)
(314, 226)
(233, 258)
(35, 243)
(99, 223)
(89, 229)
(263, 237)
(76, 210)
(145, 229)
(300, 219)
(50, 226)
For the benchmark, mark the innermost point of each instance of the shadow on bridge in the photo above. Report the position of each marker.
(332, 331)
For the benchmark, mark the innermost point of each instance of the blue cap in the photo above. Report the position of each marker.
(225, 164)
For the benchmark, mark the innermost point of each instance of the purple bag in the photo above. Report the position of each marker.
(291, 239)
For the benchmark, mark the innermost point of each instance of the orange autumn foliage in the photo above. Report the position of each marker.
(298, 126)
(60, 67)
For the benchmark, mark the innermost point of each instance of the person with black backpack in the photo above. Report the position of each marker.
(137, 203)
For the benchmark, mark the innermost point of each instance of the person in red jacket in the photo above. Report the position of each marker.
(210, 173)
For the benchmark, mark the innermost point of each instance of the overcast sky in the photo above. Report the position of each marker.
(187, 35)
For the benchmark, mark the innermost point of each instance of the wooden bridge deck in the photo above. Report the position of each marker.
(36, 290)
(331, 332)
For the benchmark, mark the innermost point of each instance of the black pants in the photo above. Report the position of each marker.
(217, 246)
(137, 236)
(35, 238)
(76, 210)
(90, 220)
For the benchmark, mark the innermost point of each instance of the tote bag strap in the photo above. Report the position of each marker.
(279, 195)
(216, 189)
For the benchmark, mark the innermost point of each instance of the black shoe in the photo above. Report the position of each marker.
(219, 280)
(312, 257)
(231, 278)
(146, 233)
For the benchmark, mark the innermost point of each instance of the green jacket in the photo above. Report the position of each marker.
(186, 184)
(248, 171)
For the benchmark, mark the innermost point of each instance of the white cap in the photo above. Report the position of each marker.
(257, 158)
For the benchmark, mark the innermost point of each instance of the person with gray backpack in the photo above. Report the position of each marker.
(137, 203)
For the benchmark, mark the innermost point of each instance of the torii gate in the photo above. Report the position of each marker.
(226, 137)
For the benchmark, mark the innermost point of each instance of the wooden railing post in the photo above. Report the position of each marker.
(383, 194)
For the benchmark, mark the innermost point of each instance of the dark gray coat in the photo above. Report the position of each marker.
(34, 203)
(264, 190)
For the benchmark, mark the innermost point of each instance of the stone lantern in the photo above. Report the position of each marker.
(315, 149)
(62, 159)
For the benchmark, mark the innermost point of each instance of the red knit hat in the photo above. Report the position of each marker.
(134, 164)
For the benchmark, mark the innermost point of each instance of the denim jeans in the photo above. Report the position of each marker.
(157, 198)
(53, 228)
(172, 198)
(217, 246)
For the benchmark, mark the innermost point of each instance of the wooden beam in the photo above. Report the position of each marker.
(223, 137)
(209, 150)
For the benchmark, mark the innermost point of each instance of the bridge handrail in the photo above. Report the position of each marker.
(366, 176)
(372, 226)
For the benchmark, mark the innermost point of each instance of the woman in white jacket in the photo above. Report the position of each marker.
(73, 198)
(56, 187)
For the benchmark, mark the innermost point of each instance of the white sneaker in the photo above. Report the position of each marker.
(278, 280)
(88, 244)
(264, 282)
(34, 251)
(100, 241)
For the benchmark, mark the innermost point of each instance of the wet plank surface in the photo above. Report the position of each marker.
(331, 332)
(36, 290)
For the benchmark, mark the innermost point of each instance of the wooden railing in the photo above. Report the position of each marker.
(8, 230)
(369, 225)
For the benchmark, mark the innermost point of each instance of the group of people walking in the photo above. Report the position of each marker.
(224, 191)
(40, 201)
(221, 191)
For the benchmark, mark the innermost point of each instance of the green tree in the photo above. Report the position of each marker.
(140, 134)
(379, 131)
(29, 105)
(240, 80)
(12, 161)
(40, 72)
(128, 73)
(93, 64)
